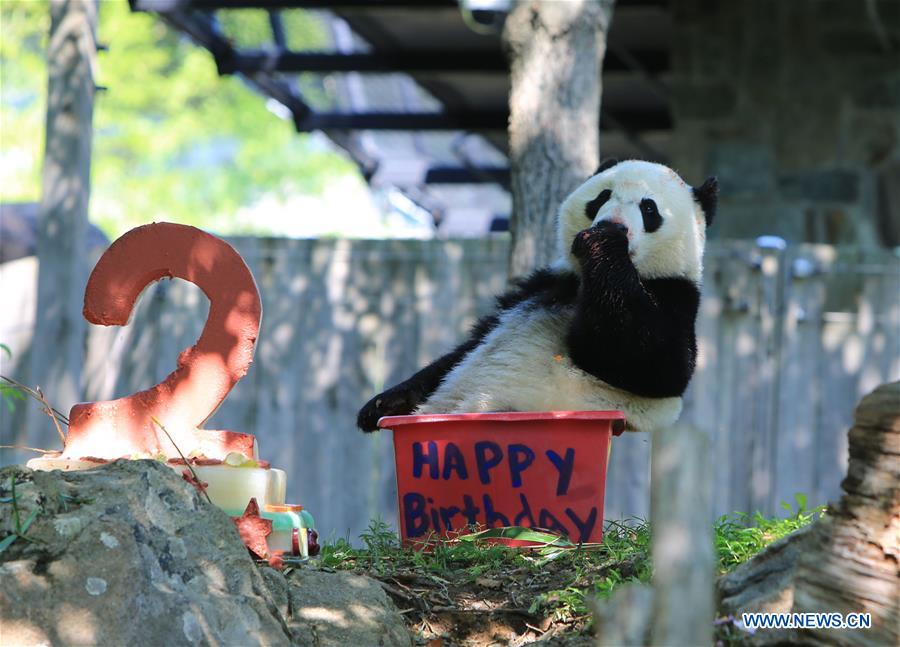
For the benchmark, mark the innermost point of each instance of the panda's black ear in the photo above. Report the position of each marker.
(707, 196)
(606, 165)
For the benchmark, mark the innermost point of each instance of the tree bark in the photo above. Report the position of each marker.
(852, 563)
(848, 561)
(57, 353)
(556, 53)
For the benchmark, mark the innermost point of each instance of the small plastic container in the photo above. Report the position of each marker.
(231, 488)
(539, 470)
(289, 529)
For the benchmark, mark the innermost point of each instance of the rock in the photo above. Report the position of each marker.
(123, 553)
(325, 609)
(128, 553)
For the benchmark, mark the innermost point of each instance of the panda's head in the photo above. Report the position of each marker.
(666, 218)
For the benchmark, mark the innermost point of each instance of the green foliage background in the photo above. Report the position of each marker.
(172, 140)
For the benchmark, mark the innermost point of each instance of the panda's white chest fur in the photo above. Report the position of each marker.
(523, 365)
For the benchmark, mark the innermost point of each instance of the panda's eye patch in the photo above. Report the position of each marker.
(650, 214)
(592, 207)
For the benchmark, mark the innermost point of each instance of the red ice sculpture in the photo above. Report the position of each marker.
(205, 373)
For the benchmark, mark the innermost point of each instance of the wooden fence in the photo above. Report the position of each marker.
(789, 341)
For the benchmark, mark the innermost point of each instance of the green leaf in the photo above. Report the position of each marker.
(6, 349)
(520, 534)
(176, 139)
(31, 517)
(7, 541)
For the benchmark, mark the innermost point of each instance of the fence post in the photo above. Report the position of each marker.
(682, 542)
(679, 608)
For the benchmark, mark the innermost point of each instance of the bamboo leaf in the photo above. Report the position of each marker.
(520, 534)
(31, 517)
(7, 541)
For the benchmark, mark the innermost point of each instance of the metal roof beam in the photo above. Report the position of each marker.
(320, 4)
(249, 62)
(341, 4)
(408, 61)
(334, 5)
(467, 175)
(474, 120)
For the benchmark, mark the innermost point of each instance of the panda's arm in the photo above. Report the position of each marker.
(403, 398)
(635, 335)
(546, 286)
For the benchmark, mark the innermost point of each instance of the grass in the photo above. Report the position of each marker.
(740, 536)
(19, 527)
(548, 588)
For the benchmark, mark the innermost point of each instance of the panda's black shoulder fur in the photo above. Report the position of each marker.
(544, 287)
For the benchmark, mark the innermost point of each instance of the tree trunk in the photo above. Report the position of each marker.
(57, 352)
(556, 53)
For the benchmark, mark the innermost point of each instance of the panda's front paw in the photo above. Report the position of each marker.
(600, 240)
(397, 401)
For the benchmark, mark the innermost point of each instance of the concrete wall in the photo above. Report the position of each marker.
(796, 107)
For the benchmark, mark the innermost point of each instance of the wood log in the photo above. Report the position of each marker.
(848, 561)
(679, 607)
(852, 563)
(682, 541)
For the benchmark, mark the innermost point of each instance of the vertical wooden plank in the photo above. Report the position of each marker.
(18, 285)
(839, 344)
(763, 475)
(798, 394)
(704, 395)
(628, 478)
(738, 383)
(878, 315)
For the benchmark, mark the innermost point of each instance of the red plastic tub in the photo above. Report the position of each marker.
(542, 470)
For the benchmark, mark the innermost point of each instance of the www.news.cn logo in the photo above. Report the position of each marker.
(753, 621)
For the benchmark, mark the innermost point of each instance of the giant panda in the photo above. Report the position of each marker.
(609, 325)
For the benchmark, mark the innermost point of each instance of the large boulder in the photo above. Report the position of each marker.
(325, 609)
(129, 553)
